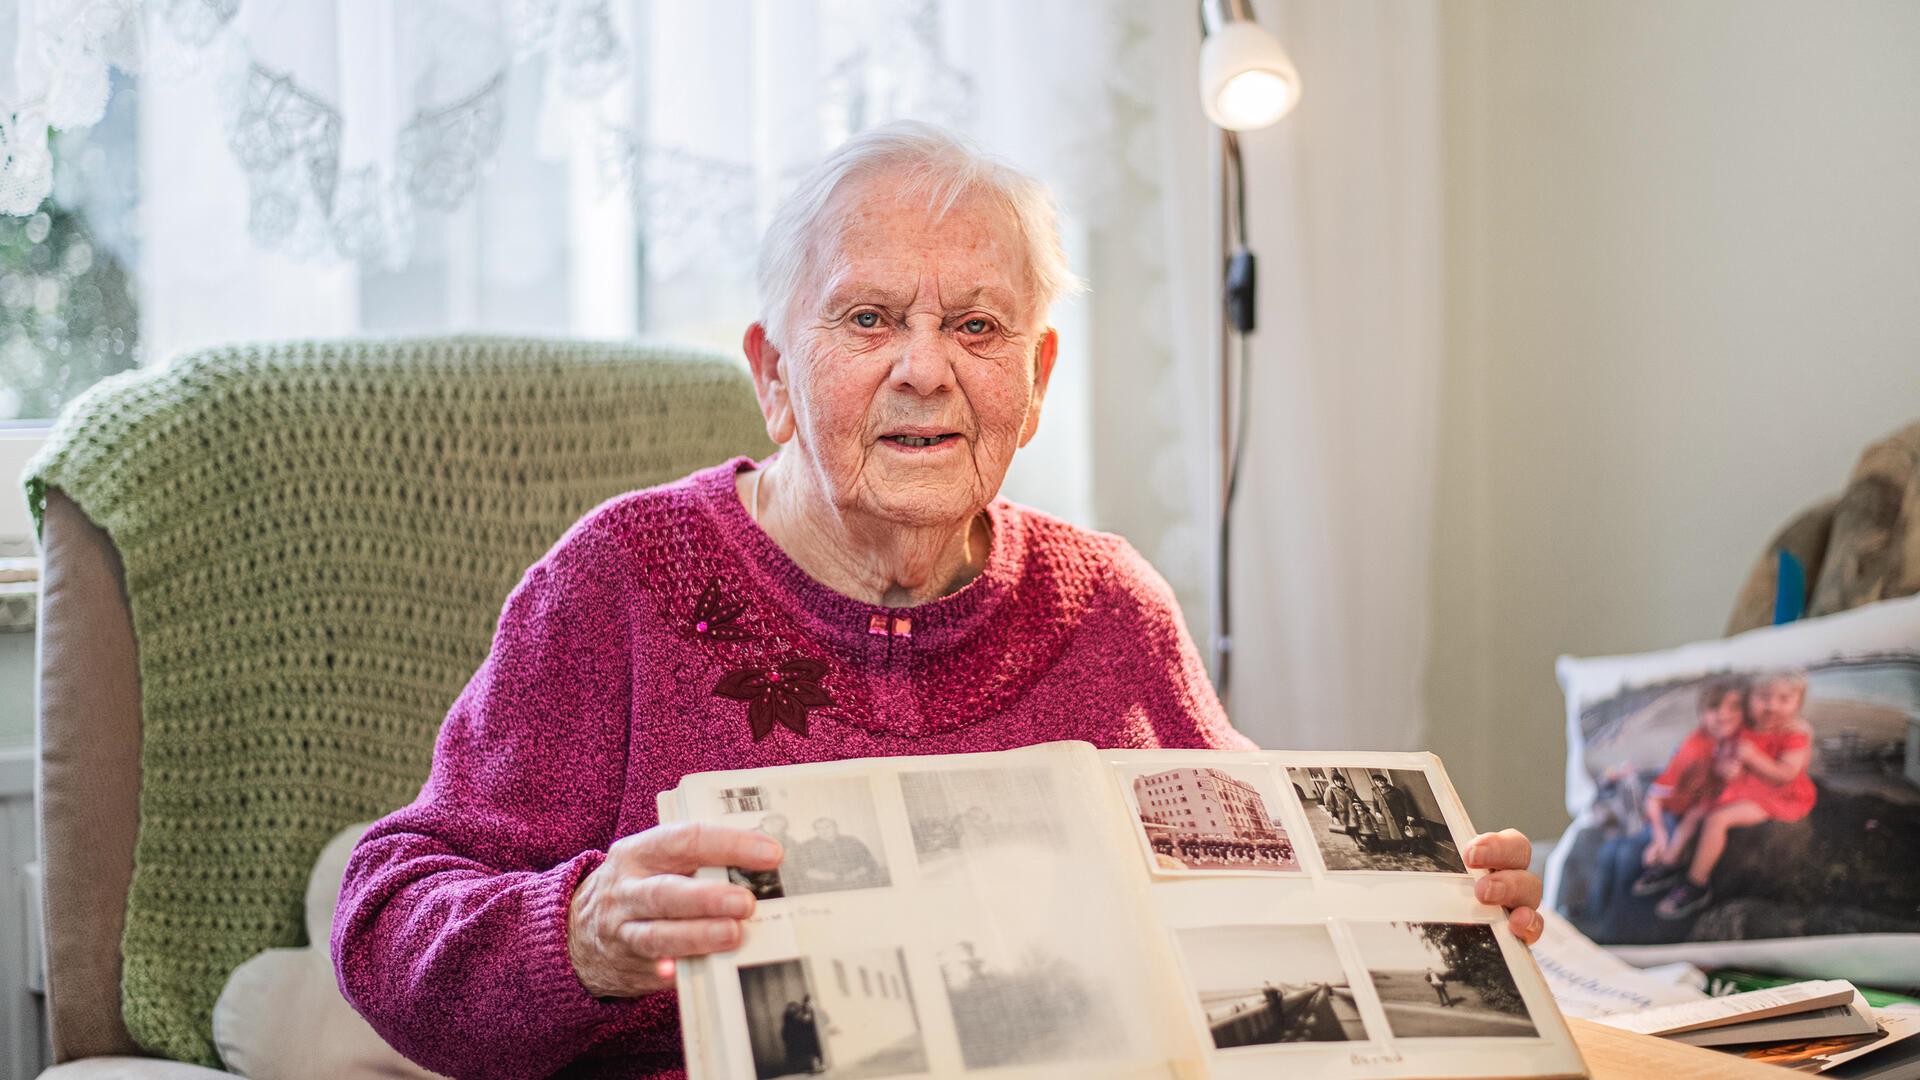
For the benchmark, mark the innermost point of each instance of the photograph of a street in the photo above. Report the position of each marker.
(1271, 984)
(1440, 979)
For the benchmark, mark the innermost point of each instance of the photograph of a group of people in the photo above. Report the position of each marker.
(1232, 819)
(1770, 803)
(983, 821)
(1376, 819)
(829, 830)
(1262, 985)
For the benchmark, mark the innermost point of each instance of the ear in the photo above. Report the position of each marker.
(1043, 360)
(769, 383)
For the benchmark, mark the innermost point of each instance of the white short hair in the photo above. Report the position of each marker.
(926, 158)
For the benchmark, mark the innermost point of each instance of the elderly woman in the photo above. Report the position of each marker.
(861, 592)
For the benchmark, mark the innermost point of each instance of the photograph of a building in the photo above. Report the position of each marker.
(848, 1015)
(1199, 818)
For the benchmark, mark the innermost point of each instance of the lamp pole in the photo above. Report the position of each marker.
(1246, 82)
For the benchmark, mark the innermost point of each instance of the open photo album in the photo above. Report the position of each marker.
(1066, 911)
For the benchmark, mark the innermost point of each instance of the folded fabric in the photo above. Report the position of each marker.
(281, 1016)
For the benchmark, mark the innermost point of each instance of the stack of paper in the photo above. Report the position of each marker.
(1823, 1026)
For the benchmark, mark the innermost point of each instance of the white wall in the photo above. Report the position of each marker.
(1683, 292)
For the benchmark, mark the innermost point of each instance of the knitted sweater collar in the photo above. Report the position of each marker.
(834, 617)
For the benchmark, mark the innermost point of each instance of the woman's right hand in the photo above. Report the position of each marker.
(639, 911)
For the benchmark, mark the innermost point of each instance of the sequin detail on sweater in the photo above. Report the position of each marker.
(600, 693)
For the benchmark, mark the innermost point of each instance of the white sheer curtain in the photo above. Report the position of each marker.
(604, 168)
(321, 168)
(1333, 582)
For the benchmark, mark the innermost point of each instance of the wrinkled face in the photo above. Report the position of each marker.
(1777, 701)
(1725, 717)
(913, 369)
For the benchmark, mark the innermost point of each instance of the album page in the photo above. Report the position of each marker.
(1325, 922)
(980, 914)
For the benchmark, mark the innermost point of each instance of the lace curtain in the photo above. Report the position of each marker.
(602, 168)
(350, 118)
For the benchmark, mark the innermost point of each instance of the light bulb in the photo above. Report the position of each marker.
(1246, 79)
(1253, 99)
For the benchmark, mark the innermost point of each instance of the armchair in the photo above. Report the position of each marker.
(197, 745)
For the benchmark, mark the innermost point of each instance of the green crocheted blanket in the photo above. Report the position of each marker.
(318, 538)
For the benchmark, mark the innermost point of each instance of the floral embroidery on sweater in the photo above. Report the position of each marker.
(781, 694)
(716, 617)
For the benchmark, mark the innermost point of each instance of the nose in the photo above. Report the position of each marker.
(924, 367)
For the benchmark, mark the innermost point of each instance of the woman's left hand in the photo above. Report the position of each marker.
(1507, 853)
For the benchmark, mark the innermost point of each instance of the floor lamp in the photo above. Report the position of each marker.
(1246, 82)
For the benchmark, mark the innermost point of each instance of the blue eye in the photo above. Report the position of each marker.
(867, 320)
(975, 326)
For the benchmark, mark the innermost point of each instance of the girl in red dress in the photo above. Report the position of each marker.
(1765, 781)
(1683, 795)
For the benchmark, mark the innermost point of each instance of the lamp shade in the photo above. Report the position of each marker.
(1246, 80)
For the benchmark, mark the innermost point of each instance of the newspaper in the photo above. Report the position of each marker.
(1589, 982)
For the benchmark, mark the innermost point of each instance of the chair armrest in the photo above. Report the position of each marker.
(131, 1068)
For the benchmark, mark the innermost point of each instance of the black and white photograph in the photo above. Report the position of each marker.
(846, 1015)
(1264, 985)
(828, 829)
(1442, 979)
(1220, 819)
(1019, 1002)
(1376, 819)
(961, 814)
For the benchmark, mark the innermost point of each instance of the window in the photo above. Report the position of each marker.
(840, 976)
(68, 309)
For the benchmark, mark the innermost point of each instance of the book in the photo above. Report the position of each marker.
(1891, 1050)
(1066, 911)
(1744, 1008)
(1851, 1019)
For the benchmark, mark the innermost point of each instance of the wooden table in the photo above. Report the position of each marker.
(1613, 1054)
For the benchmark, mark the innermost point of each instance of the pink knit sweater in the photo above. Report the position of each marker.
(666, 634)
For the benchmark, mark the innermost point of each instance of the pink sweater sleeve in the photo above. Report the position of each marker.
(451, 933)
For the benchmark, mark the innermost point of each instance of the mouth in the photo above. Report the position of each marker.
(921, 442)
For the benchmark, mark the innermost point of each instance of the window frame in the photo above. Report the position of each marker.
(19, 441)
